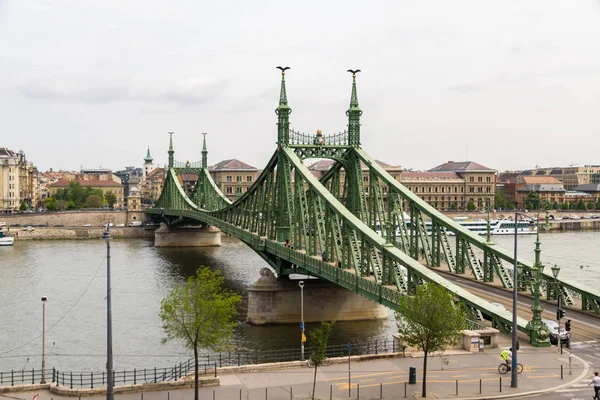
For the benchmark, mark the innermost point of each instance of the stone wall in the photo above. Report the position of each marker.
(73, 218)
(81, 233)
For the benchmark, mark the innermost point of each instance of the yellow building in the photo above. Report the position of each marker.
(233, 177)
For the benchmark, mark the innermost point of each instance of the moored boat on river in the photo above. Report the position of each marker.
(6, 240)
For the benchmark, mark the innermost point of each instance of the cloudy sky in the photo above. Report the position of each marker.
(509, 84)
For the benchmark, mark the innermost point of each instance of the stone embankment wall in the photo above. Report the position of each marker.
(82, 233)
(74, 218)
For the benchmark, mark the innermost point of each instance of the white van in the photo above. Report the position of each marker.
(2, 223)
(135, 223)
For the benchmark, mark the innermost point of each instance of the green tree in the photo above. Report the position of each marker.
(453, 206)
(200, 314)
(555, 206)
(500, 199)
(590, 206)
(93, 201)
(564, 206)
(51, 204)
(77, 194)
(471, 206)
(318, 343)
(532, 200)
(581, 204)
(71, 205)
(111, 199)
(572, 206)
(23, 206)
(430, 321)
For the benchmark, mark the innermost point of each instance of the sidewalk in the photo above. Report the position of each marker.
(382, 378)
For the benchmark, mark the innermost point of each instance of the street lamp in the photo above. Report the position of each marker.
(488, 239)
(539, 334)
(109, 354)
(44, 299)
(555, 270)
(301, 284)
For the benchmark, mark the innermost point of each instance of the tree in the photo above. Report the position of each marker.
(318, 343)
(23, 206)
(532, 200)
(93, 201)
(200, 314)
(581, 204)
(51, 204)
(500, 199)
(564, 206)
(453, 206)
(590, 206)
(471, 206)
(430, 321)
(555, 206)
(111, 199)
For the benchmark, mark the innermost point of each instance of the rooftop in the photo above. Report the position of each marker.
(461, 166)
(91, 182)
(232, 165)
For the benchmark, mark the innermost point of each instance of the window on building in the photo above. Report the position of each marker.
(488, 179)
(238, 178)
(238, 189)
(429, 189)
(229, 178)
(228, 190)
(487, 189)
(471, 189)
(435, 189)
(416, 189)
(479, 179)
(442, 189)
(249, 178)
(462, 189)
(472, 179)
(479, 190)
(365, 178)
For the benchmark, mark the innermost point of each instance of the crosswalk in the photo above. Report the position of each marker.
(579, 391)
(589, 350)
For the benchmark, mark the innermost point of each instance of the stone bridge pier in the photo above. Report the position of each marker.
(192, 236)
(277, 301)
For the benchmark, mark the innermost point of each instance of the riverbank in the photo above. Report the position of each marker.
(70, 233)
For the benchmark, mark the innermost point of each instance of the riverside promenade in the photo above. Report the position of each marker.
(455, 375)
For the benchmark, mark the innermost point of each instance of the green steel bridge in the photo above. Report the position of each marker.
(338, 215)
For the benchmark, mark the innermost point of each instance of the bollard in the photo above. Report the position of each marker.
(479, 386)
(457, 387)
(570, 363)
(142, 395)
(358, 390)
(381, 390)
(500, 384)
(330, 392)
(561, 371)
(404, 389)
(291, 394)
(213, 394)
(215, 370)
(266, 394)
(168, 395)
(240, 394)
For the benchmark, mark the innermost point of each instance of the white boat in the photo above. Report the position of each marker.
(497, 227)
(6, 240)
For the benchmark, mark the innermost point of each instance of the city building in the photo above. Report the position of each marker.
(151, 186)
(130, 176)
(103, 185)
(134, 200)
(96, 174)
(442, 190)
(19, 182)
(479, 184)
(148, 166)
(233, 177)
(547, 187)
(571, 176)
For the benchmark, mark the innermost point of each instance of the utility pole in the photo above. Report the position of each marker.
(109, 353)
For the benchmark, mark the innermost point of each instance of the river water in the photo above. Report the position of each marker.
(72, 274)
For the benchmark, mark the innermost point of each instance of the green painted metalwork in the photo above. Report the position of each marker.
(359, 239)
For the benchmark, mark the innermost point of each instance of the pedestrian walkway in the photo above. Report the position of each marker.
(454, 375)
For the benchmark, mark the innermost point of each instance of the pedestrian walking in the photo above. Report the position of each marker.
(596, 382)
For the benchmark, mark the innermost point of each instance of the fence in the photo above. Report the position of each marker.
(208, 364)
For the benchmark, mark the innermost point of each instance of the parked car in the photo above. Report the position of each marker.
(151, 223)
(59, 225)
(86, 225)
(135, 223)
(28, 228)
(120, 225)
(553, 327)
(110, 224)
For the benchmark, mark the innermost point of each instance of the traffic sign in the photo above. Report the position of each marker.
(302, 326)
(303, 337)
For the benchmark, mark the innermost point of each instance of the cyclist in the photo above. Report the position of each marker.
(506, 355)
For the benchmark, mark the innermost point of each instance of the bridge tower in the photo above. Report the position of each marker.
(285, 202)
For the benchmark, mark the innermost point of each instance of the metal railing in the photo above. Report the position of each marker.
(208, 365)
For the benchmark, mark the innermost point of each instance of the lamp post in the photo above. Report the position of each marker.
(301, 284)
(513, 375)
(555, 270)
(44, 299)
(488, 237)
(109, 353)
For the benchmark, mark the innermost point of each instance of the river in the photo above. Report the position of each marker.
(72, 274)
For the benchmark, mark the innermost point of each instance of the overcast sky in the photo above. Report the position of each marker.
(509, 84)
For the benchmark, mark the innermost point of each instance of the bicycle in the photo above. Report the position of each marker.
(311, 364)
(503, 368)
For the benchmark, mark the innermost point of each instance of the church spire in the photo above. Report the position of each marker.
(148, 159)
(171, 151)
(354, 113)
(204, 151)
(283, 113)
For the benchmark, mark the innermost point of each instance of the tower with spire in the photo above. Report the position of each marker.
(354, 113)
(283, 112)
(148, 164)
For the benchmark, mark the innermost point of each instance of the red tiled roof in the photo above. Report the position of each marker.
(530, 180)
(91, 182)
